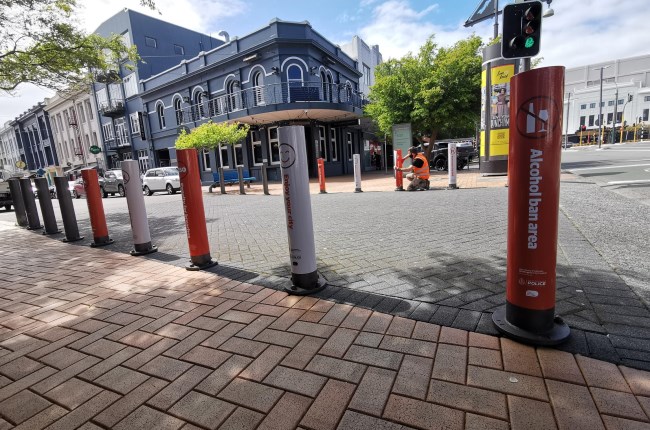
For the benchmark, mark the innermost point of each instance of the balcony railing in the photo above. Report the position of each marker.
(273, 94)
(113, 108)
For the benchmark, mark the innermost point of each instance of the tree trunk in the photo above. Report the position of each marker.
(432, 140)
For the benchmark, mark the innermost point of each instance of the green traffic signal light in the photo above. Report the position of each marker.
(529, 42)
(522, 27)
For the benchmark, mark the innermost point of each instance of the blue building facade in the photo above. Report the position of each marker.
(283, 74)
(161, 45)
(34, 139)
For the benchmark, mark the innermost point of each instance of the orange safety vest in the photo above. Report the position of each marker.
(421, 172)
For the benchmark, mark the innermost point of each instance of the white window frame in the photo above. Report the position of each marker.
(121, 133)
(143, 160)
(366, 74)
(258, 88)
(108, 131)
(127, 156)
(333, 147)
(205, 155)
(224, 148)
(115, 92)
(135, 123)
(82, 115)
(102, 98)
(322, 147)
(160, 113)
(130, 85)
(178, 109)
(256, 141)
(234, 154)
(270, 146)
(348, 137)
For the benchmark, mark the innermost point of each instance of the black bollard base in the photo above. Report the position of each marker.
(35, 227)
(399, 189)
(559, 333)
(76, 239)
(48, 233)
(143, 249)
(300, 290)
(452, 187)
(201, 262)
(101, 241)
(358, 190)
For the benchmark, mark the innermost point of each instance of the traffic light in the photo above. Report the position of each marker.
(522, 29)
(629, 97)
(583, 127)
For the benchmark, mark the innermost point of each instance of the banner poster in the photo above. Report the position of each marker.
(500, 96)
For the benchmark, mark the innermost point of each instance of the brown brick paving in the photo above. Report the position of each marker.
(92, 339)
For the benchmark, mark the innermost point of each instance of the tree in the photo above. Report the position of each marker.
(211, 135)
(40, 44)
(438, 91)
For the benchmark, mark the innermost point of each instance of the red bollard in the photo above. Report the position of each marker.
(321, 175)
(197, 232)
(399, 179)
(533, 208)
(95, 208)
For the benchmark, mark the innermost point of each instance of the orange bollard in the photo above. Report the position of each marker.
(197, 232)
(399, 179)
(321, 175)
(95, 208)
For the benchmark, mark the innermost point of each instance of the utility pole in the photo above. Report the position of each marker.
(615, 116)
(600, 110)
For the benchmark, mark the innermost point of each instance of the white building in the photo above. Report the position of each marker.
(367, 58)
(626, 94)
(9, 151)
(75, 129)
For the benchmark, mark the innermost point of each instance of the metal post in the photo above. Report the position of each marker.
(137, 210)
(34, 222)
(19, 204)
(265, 178)
(240, 175)
(45, 201)
(356, 161)
(300, 226)
(386, 152)
(451, 165)
(600, 111)
(95, 208)
(566, 132)
(615, 114)
(496, 18)
(320, 164)
(399, 179)
(67, 210)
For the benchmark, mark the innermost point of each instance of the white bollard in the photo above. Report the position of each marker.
(356, 161)
(137, 210)
(297, 205)
(452, 164)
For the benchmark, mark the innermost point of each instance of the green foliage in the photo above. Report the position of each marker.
(41, 44)
(438, 91)
(210, 135)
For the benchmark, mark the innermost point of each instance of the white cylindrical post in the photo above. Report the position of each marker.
(452, 165)
(137, 210)
(356, 161)
(297, 204)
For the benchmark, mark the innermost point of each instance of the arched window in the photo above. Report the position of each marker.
(178, 110)
(231, 90)
(294, 75)
(325, 89)
(258, 90)
(199, 99)
(348, 92)
(160, 111)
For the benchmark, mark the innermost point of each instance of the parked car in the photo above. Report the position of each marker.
(112, 183)
(78, 189)
(438, 157)
(161, 179)
(5, 193)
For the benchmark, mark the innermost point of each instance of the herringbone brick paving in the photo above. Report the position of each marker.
(91, 338)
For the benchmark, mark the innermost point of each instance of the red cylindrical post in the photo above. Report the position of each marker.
(533, 208)
(95, 208)
(195, 227)
(399, 179)
(321, 175)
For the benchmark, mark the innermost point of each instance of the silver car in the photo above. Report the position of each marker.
(112, 183)
(161, 179)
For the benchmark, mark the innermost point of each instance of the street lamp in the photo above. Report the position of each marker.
(600, 106)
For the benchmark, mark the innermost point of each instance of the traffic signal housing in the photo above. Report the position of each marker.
(522, 29)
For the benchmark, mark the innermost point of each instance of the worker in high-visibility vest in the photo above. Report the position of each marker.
(418, 170)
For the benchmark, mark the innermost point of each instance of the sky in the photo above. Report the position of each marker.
(581, 32)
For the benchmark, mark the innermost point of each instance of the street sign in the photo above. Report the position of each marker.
(537, 117)
(40, 172)
(484, 10)
(95, 149)
(21, 164)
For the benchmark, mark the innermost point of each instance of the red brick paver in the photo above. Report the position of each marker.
(93, 339)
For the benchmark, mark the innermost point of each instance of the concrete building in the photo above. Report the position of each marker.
(161, 45)
(75, 128)
(367, 58)
(626, 94)
(9, 151)
(34, 139)
(285, 73)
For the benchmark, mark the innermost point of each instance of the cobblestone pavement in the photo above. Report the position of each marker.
(456, 278)
(91, 338)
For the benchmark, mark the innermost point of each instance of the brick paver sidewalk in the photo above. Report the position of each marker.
(95, 339)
